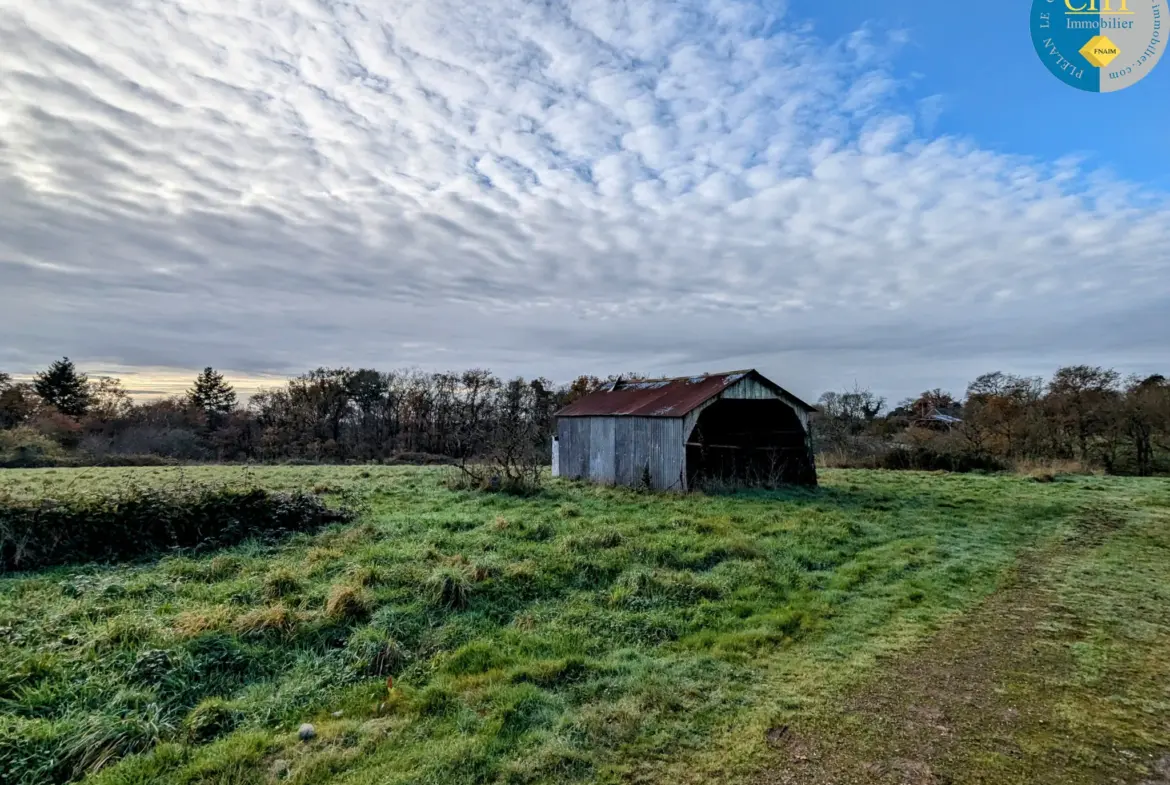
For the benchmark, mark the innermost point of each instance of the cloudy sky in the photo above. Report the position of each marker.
(555, 187)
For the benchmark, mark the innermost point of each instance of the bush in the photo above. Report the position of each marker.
(927, 459)
(26, 448)
(136, 522)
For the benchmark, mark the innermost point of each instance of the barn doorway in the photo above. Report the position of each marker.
(755, 443)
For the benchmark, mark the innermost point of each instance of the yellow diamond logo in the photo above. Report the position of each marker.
(1100, 51)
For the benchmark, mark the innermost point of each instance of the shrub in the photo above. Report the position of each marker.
(927, 459)
(25, 447)
(135, 522)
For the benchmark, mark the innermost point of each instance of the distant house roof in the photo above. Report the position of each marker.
(664, 397)
(937, 416)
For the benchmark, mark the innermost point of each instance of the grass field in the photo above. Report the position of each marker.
(886, 627)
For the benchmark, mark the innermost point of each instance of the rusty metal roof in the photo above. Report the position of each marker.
(662, 397)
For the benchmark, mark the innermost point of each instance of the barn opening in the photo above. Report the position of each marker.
(749, 443)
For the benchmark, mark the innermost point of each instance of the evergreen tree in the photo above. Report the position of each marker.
(64, 387)
(213, 395)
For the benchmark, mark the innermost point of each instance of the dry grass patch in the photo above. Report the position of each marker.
(318, 556)
(1048, 471)
(190, 624)
(347, 603)
(268, 619)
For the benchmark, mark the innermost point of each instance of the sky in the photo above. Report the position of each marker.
(833, 193)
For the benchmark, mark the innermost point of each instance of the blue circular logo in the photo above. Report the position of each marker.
(1101, 46)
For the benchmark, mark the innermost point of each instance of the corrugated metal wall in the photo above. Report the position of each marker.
(654, 442)
(601, 449)
(614, 450)
(573, 440)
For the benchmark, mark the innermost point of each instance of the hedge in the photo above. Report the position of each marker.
(136, 522)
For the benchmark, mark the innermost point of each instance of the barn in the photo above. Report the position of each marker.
(732, 428)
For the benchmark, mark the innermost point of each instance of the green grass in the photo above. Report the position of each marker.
(581, 635)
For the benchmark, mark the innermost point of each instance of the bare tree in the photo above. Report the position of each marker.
(508, 447)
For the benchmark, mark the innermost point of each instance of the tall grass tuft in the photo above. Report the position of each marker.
(449, 587)
(347, 603)
(279, 583)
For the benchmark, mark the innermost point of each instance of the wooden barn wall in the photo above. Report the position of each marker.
(748, 389)
(656, 442)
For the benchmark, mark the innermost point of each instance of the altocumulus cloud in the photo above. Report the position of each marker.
(540, 187)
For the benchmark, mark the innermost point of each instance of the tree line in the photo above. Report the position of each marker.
(324, 415)
(1083, 413)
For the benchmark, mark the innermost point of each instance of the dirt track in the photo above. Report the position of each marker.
(983, 702)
